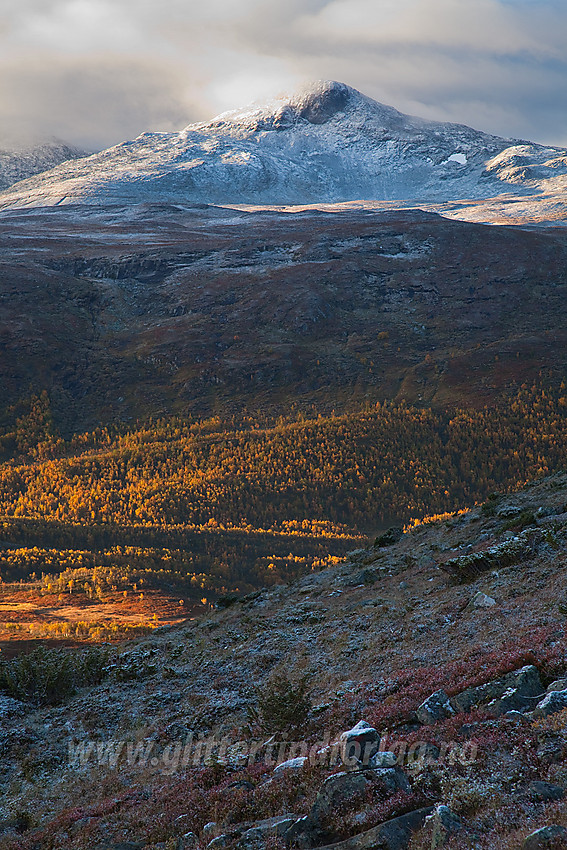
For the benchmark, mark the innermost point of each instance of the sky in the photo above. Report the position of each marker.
(96, 72)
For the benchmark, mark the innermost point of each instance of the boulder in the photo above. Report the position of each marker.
(511, 700)
(394, 834)
(546, 838)
(435, 708)
(189, 841)
(210, 830)
(358, 745)
(341, 787)
(525, 681)
(263, 830)
(546, 791)
(442, 823)
(552, 703)
(383, 759)
(291, 764)
(558, 685)
(253, 833)
(481, 600)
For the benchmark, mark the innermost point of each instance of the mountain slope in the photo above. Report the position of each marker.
(326, 143)
(376, 636)
(19, 163)
(130, 312)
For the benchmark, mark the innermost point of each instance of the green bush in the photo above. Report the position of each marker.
(283, 704)
(49, 676)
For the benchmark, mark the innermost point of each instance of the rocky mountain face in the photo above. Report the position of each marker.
(22, 162)
(324, 144)
(153, 308)
(413, 695)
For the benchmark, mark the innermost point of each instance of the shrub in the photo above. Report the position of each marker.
(49, 676)
(283, 704)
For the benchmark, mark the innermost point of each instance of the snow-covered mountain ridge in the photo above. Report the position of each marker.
(18, 163)
(324, 144)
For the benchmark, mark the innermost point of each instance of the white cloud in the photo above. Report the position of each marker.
(96, 71)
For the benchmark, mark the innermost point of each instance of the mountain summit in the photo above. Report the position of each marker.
(323, 144)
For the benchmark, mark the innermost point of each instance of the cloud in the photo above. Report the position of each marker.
(97, 71)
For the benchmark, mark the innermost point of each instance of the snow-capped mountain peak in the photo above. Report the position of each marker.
(325, 143)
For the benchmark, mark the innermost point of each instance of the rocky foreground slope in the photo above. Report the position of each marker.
(413, 696)
(322, 144)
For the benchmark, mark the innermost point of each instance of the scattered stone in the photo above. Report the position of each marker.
(509, 511)
(548, 837)
(481, 600)
(442, 823)
(359, 744)
(383, 759)
(435, 708)
(210, 830)
(253, 833)
(552, 703)
(546, 791)
(291, 764)
(394, 834)
(189, 841)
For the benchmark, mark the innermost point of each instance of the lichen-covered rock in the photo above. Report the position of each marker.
(291, 764)
(511, 700)
(552, 703)
(442, 823)
(546, 791)
(548, 837)
(525, 681)
(341, 787)
(253, 833)
(481, 600)
(435, 708)
(467, 567)
(394, 834)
